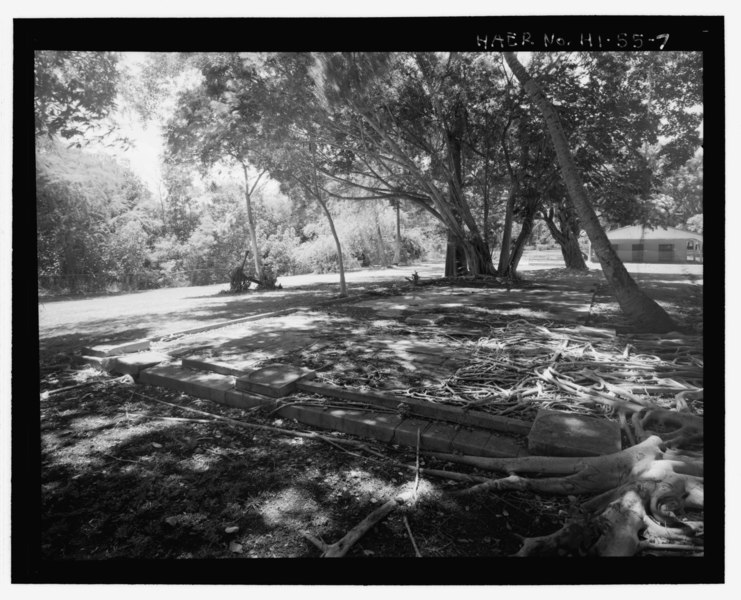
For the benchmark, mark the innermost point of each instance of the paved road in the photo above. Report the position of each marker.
(65, 324)
(70, 323)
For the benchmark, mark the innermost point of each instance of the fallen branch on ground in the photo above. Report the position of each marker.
(337, 442)
(417, 553)
(341, 547)
(47, 394)
(236, 422)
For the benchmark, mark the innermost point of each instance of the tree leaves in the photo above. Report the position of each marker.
(72, 90)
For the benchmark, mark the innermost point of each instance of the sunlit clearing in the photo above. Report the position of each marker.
(82, 452)
(292, 507)
(424, 489)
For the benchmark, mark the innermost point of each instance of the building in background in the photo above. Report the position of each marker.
(639, 244)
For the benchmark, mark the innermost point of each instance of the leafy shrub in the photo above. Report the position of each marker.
(279, 252)
(320, 256)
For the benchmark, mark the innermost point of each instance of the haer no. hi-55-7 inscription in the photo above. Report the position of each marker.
(582, 41)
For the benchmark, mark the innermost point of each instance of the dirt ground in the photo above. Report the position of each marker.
(126, 476)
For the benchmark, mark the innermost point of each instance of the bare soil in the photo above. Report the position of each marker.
(124, 476)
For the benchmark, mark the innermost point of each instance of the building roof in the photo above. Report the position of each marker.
(639, 232)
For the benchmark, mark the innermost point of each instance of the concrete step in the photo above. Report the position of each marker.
(275, 381)
(382, 426)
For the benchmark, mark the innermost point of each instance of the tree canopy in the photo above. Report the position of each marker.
(74, 91)
(451, 136)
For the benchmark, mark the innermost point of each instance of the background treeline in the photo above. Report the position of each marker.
(101, 229)
(386, 158)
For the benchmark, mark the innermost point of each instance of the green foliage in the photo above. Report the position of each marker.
(680, 195)
(449, 135)
(319, 255)
(73, 91)
(87, 205)
(694, 223)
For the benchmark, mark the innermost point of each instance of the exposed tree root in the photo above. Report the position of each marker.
(641, 490)
(686, 427)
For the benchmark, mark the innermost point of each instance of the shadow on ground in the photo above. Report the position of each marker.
(128, 478)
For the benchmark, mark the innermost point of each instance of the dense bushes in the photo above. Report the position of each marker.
(100, 229)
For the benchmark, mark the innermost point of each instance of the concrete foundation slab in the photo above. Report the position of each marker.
(557, 433)
(202, 385)
(372, 425)
(234, 368)
(276, 381)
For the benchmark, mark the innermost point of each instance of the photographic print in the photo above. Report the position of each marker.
(374, 289)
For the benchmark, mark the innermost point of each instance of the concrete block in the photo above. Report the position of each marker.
(438, 437)
(406, 433)
(115, 349)
(276, 381)
(471, 441)
(210, 386)
(337, 418)
(556, 433)
(167, 377)
(377, 426)
(217, 390)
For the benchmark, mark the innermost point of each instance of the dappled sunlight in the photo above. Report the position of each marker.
(77, 450)
(201, 462)
(295, 508)
(368, 488)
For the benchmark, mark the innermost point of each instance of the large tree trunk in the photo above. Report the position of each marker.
(643, 312)
(567, 237)
(572, 255)
(455, 257)
(251, 222)
(343, 285)
(478, 257)
(318, 195)
(397, 247)
(476, 250)
(380, 246)
(506, 247)
(519, 246)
